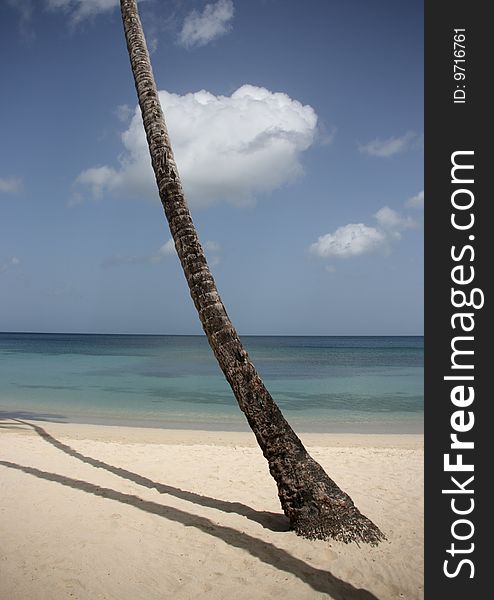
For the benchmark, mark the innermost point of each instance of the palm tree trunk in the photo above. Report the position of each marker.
(314, 504)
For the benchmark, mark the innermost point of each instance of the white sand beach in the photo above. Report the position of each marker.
(93, 512)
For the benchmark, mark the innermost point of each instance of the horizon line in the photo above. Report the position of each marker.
(204, 335)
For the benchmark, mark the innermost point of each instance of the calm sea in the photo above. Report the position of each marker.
(353, 384)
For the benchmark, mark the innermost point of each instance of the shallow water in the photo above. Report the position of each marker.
(320, 383)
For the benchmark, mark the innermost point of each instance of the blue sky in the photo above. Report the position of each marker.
(298, 133)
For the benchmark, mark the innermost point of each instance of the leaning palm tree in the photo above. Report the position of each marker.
(315, 506)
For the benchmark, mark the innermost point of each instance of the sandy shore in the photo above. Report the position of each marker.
(93, 512)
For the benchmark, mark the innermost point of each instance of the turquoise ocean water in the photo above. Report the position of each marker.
(350, 384)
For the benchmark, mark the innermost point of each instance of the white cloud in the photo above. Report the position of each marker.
(201, 28)
(11, 262)
(212, 250)
(353, 239)
(123, 112)
(227, 148)
(98, 179)
(356, 239)
(76, 10)
(391, 220)
(388, 147)
(10, 185)
(168, 249)
(210, 246)
(82, 9)
(416, 201)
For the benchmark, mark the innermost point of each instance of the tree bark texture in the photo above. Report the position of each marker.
(314, 504)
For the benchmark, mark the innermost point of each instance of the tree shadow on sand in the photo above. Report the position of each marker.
(269, 520)
(32, 416)
(319, 580)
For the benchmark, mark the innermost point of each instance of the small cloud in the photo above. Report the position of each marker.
(201, 28)
(82, 9)
(212, 251)
(390, 219)
(10, 185)
(353, 239)
(75, 199)
(330, 268)
(388, 147)
(97, 179)
(123, 112)
(11, 262)
(168, 249)
(416, 201)
(325, 135)
(152, 43)
(356, 239)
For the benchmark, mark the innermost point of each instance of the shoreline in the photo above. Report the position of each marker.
(411, 426)
(216, 437)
